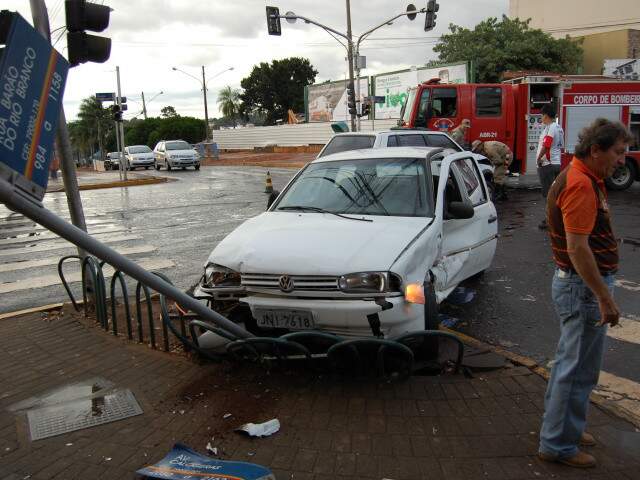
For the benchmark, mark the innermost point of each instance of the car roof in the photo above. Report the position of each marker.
(367, 153)
(402, 131)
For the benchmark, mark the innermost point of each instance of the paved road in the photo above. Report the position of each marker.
(174, 226)
(170, 227)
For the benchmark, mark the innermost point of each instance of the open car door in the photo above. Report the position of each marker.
(468, 242)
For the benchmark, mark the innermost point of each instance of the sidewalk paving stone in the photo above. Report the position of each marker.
(448, 427)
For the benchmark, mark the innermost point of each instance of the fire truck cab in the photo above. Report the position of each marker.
(509, 112)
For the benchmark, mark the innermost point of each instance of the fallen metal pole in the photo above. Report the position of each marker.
(81, 239)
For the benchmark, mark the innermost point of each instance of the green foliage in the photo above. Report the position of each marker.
(229, 103)
(91, 129)
(168, 111)
(272, 89)
(508, 45)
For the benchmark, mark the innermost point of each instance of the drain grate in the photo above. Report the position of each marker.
(82, 413)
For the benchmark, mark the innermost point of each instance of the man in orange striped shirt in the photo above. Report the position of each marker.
(586, 255)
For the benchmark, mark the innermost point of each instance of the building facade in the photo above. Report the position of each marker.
(607, 33)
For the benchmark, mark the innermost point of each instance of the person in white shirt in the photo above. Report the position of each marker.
(549, 152)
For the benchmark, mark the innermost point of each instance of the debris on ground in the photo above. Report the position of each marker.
(260, 429)
(447, 321)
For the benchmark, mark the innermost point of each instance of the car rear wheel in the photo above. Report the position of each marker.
(623, 177)
(146, 168)
(184, 168)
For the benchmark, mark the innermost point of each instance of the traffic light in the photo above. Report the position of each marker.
(366, 108)
(273, 21)
(116, 113)
(351, 99)
(430, 17)
(82, 15)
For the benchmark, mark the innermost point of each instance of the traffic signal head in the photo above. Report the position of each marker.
(116, 113)
(351, 99)
(430, 17)
(366, 109)
(82, 15)
(273, 21)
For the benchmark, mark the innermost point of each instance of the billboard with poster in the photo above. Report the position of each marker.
(393, 86)
(327, 102)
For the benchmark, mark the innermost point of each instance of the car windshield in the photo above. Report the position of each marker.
(178, 146)
(377, 186)
(139, 149)
(345, 143)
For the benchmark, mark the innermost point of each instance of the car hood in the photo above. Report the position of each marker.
(182, 152)
(316, 243)
(140, 156)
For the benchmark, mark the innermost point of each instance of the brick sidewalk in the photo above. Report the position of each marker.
(425, 428)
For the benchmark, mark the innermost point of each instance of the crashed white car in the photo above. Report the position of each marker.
(360, 243)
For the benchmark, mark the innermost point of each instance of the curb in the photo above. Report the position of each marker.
(600, 400)
(128, 183)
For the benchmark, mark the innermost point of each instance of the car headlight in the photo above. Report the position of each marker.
(364, 282)
(219, 276)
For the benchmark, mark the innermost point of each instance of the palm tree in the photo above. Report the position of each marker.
(95, 122)
(229, 103)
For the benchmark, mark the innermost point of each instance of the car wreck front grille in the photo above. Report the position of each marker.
(300, 282)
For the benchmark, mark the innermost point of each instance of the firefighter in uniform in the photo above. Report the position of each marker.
(500, 157)
(458, 133)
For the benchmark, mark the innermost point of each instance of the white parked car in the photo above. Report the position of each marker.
(342, 142)
(360, 243)
(175, 154)
(138, 156)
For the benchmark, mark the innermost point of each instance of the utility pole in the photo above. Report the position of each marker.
(350, 58)
(144, 107)
(206, 108)
(63, 144)
(120, 130)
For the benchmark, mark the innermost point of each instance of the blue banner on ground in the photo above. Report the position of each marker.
(32, 81)
(184, 463)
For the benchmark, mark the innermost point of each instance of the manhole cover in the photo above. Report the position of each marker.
(82, 413)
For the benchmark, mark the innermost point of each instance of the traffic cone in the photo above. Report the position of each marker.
(269, 186)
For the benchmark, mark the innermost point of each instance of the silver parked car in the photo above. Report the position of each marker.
(175, 154)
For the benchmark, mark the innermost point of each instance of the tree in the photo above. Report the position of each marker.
(168, 111)
(272, 89)
(94, 123)
(508, 45)
(229, 103)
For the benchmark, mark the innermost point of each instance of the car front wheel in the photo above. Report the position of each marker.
(623, 177)
(197, 167)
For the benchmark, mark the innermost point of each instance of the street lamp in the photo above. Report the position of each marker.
(203, 84)
(144, 104)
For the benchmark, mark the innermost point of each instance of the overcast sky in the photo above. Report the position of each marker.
(151, 36)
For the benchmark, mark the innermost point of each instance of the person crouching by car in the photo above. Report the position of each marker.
(500, 157)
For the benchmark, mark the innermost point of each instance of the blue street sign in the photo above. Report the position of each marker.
(183, 463)
(32, 81)
(106, 97)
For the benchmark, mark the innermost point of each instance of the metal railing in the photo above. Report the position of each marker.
(392, 359)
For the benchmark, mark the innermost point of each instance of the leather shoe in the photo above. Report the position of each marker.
(579, 460)
(587, 440)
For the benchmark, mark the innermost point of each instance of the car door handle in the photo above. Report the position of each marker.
(492, 219)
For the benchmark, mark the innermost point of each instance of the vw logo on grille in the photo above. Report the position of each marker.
(286, 284)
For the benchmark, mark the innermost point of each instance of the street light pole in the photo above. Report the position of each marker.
(63, 143)
(206, 107)
(120, 131)
(144, 107)
(350, 58)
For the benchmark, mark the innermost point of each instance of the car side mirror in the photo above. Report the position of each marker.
(272, 198)
(460, 210)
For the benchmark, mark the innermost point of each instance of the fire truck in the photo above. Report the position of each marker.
(510, 113)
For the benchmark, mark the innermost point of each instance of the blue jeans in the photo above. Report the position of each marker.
(577, 364)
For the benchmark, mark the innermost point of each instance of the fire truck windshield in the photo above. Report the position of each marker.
(405, 114)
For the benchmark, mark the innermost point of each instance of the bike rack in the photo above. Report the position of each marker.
(394, 358)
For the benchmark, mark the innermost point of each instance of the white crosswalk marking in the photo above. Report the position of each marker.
(628, 330)
(625, 393)
(12, 267)
(61, 244)
(50, 236)
(54, 279)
